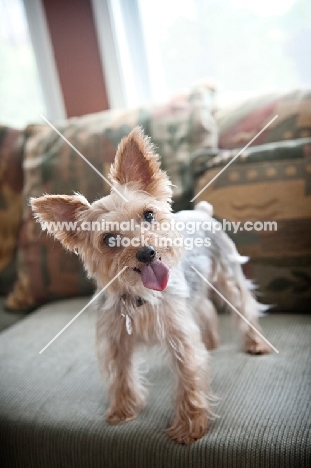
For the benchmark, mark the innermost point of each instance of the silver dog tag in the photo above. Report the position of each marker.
(128, 324)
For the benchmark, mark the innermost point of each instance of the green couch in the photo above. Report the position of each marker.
(52, 405)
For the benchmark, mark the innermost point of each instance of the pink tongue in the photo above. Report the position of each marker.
(155, 276)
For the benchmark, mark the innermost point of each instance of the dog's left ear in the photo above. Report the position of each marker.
(137, 163)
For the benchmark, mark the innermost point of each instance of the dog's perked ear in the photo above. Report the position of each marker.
(137, 163)
(59, 215)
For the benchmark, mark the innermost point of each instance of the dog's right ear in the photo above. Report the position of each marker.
(137, 162)
(60, 215)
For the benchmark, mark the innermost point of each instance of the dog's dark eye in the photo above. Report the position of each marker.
(110, 240)
(149, 216)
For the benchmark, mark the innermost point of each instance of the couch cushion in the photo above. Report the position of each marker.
(52, 405)
(7, 318)
(240, 117)
(11, 184)
(45, 271)
(267, 183)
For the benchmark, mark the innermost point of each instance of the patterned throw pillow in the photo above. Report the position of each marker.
(240, 121)
(11, 184)
(45, 270)
(266, 183)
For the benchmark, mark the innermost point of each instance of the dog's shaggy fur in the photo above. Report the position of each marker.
(181, 316)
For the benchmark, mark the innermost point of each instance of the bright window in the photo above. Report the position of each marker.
(21, 99)
(244, 45)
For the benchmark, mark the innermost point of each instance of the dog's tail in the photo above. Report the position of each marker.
(206, 207)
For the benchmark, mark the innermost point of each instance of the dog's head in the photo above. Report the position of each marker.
(129, 230)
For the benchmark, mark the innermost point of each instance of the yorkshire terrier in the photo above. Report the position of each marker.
(154, 288)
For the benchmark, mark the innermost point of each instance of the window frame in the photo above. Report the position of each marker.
(47, 70)
(124, 57)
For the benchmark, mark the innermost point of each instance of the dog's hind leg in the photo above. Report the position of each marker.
(238, 292)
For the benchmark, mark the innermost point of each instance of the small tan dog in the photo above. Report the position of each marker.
(157, 297)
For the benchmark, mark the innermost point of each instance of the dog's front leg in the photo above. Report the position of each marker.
(190, 360)
(126, 394)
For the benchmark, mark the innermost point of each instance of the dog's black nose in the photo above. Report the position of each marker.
(146, 254)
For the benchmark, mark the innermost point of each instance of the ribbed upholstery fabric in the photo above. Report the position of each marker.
(52, 405)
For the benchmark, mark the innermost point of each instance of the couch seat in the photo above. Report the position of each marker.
(52, 405)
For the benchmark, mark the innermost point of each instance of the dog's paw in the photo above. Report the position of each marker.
(117, 415)
(256, 346)
(188, 431)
